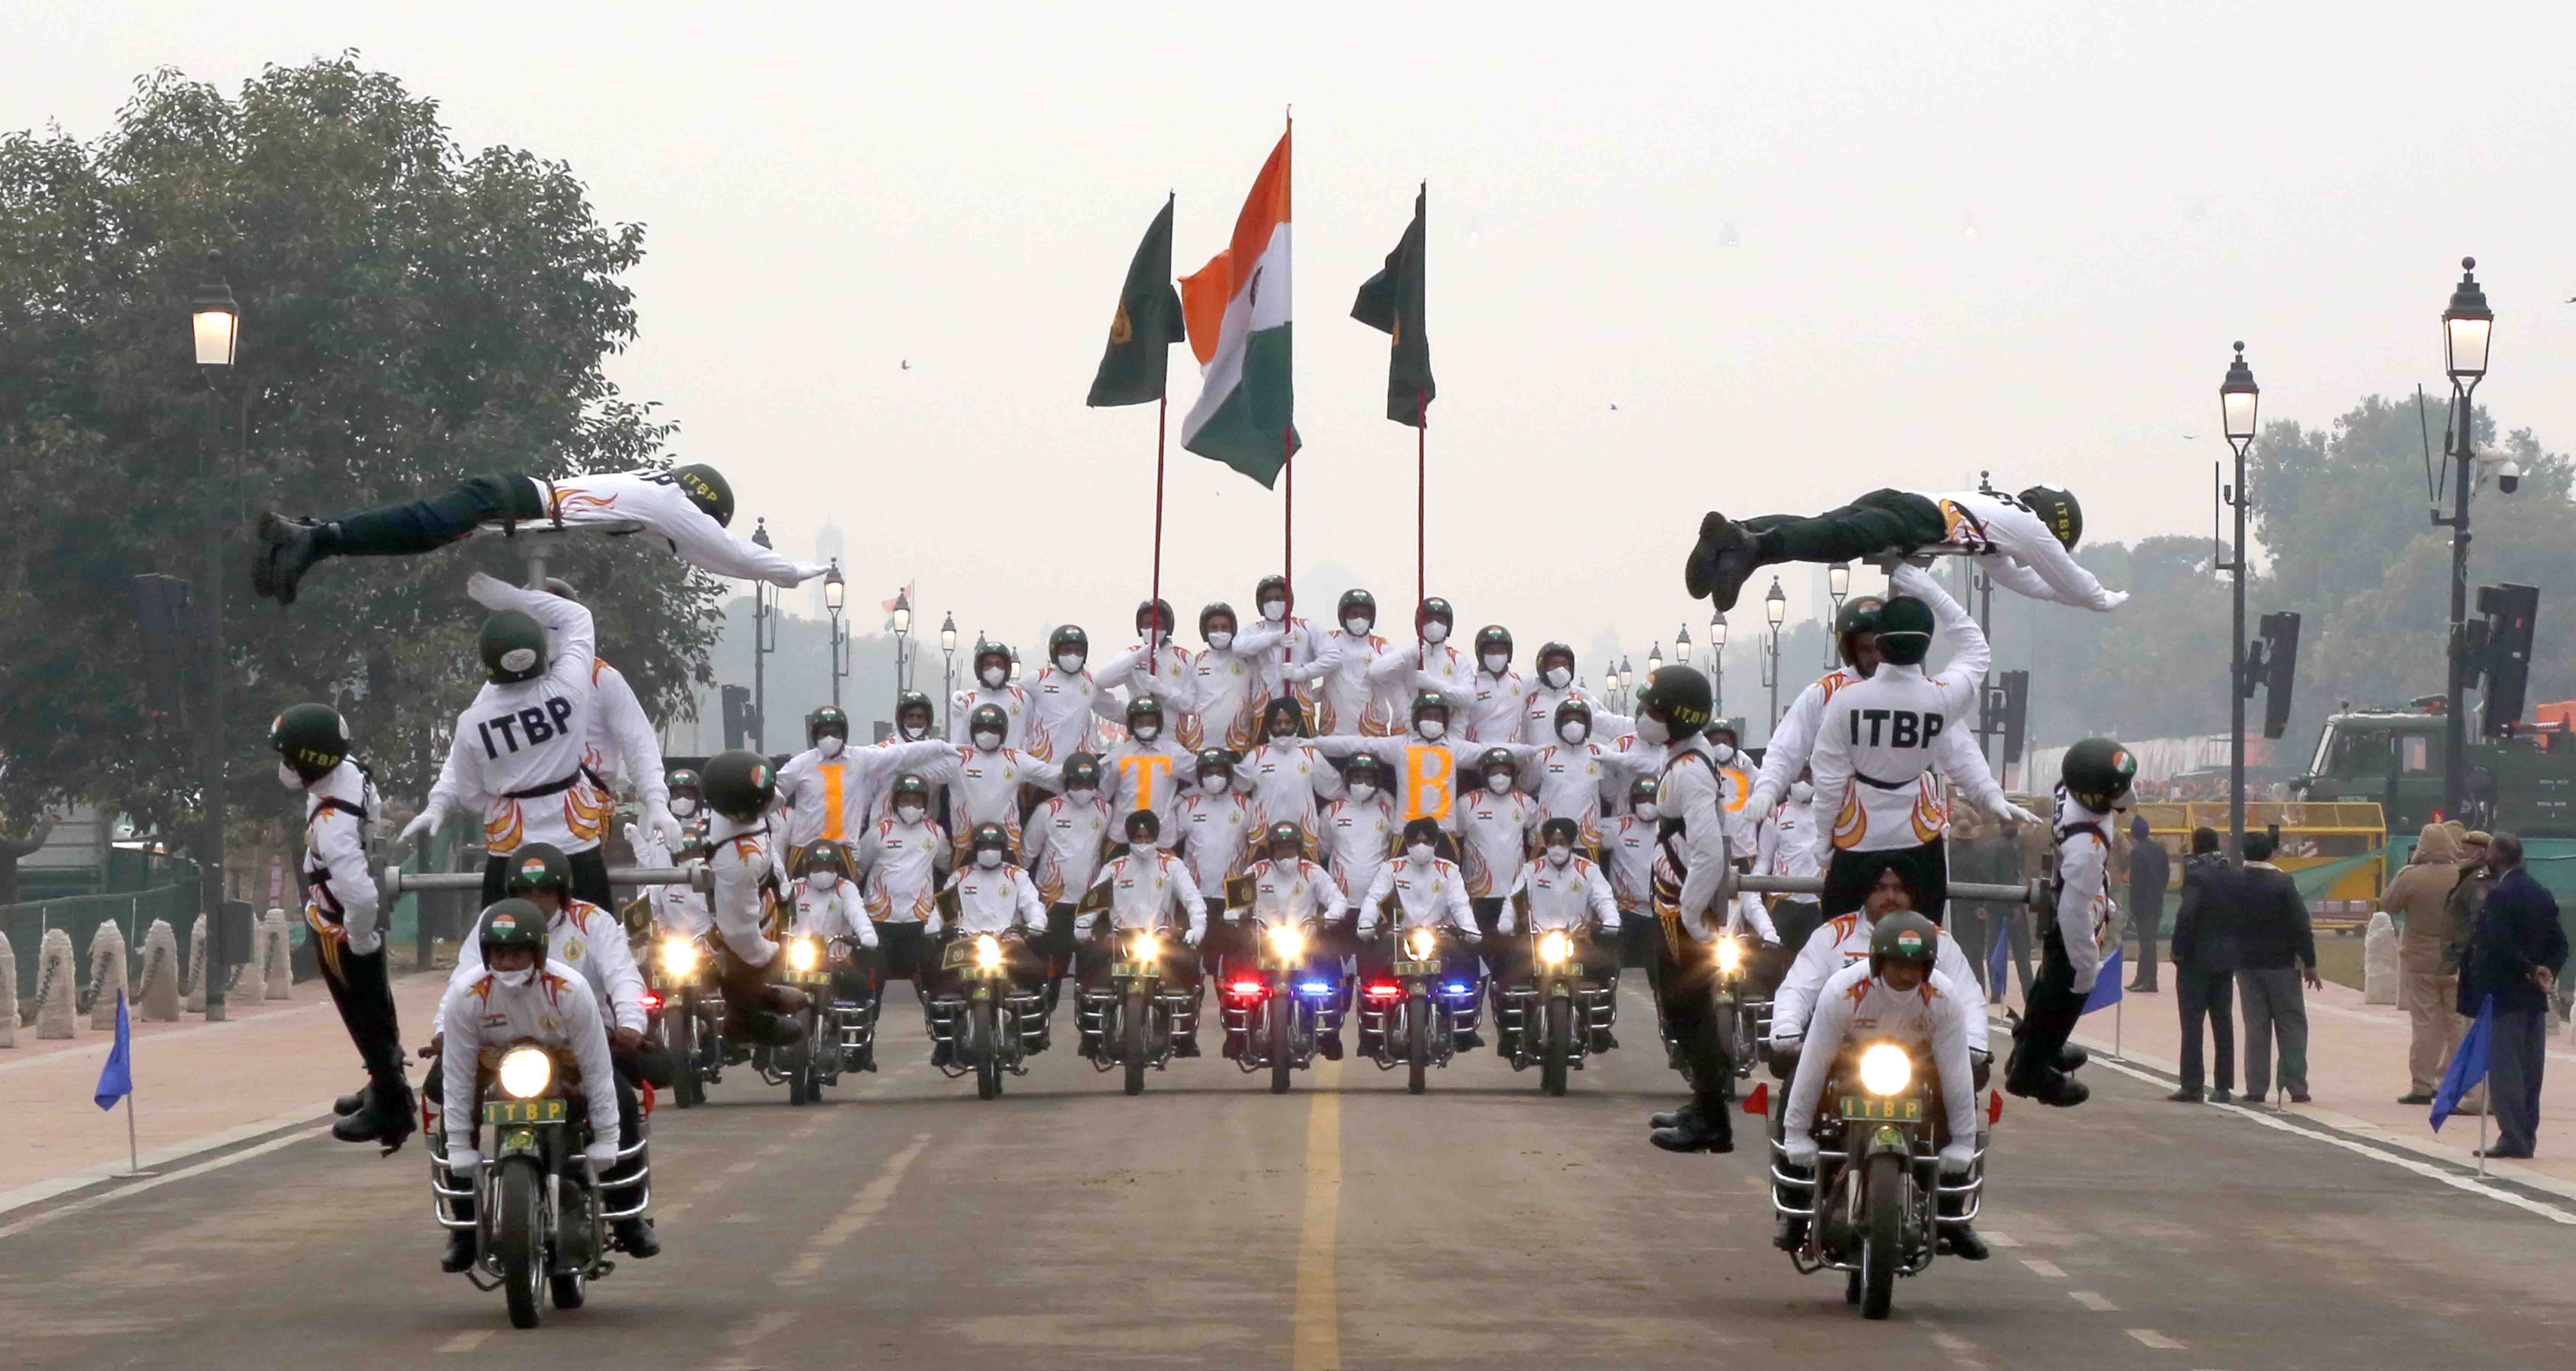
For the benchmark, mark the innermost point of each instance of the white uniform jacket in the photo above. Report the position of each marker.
(839, 912)
(830, 798)
(1563, 897)
(1876, 753)
(622, 743)
(1147, 890)
(1538, 714)
(1494, 837)
(1401, 673)
(520, 748)
(2017, 549)
(1065, 714)
(1689, 861)
(676, 908)
(1146, 776)
(1216, 837)
(1171, 678)
(995, 901)
(1345, 701)
(1427, 895)
(2086, 916)
(652, 499)
(1064, 845)
(744, 861)
(1229, 688)
(592, 942)
(1358, 839)
(340, 900)
(1494, 706)
(482, 1019)
(1293, 892)
(1628, 853)
(1855, 1008)
(904, 863)
(1018, 707)
(1427, 774)
(1840, 942)
(1284, 780)
(984, 788)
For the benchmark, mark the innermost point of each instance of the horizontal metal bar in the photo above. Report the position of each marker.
(2034, 894)
(695, 876)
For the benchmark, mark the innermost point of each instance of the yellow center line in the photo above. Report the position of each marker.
(1318, 1335)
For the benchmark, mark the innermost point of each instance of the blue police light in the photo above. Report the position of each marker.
(1457, 990)
(1317, 988)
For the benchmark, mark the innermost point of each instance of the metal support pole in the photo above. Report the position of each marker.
(2455, 728)
(399, 882)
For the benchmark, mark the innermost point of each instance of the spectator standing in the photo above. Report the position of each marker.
(2416, 897)
(2276, 950)
(2204, 954)
(2514, 959)
(2150, 871)
(1980, 850)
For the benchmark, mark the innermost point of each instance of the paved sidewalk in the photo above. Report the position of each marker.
(2356, 1071)
(271, 1064)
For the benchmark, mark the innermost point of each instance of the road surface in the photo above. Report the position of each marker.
(900, 1222)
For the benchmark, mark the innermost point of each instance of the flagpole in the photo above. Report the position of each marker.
(1288, 509)
(1153, 602)
(1421, 490)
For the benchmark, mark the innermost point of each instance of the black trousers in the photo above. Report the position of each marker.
(1797, 921)
(898, 954)
(427, 525)
(2209, 995)
(589, 877)
(2050, 1016)
(1489, 912)
(1881, 522)
(364, 995)
(2145, 917)
(1849, 876)
(1686, 992)
(2513, 1090)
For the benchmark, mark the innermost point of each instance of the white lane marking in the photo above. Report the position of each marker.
(2045, 1267)
(158, 1181)
(159, 1156)
(2270, 1119)
(739, 1167)
(1965, 1355)
(2002, 1240)
(861, 1212)
(464, 1342)
(1317, 1330)
(2154, 1339)
(2093, 1300)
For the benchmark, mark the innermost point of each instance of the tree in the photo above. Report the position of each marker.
(411, 315)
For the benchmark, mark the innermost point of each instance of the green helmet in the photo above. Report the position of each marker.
(1427, 704)
(1645, 790)
(909, 786)
(1081, 769)
(1141, 708)
(512, 923)
(1905, 631)
(988, 719)
(1284, 832)
(1497, 759)
(1493, 638)
(514, 647)
(2098, 772)
(1679, 695)
(2057, 509)
(990, 837)
(828, 719)
(1434, 610)
(682, 778)
(1904, 937)
(1574, 707)
(538, 866)
(1857, 618)
(906, 701)
(312, 738)
(1366, 769)
(706, 489)
(740, 784)
(1213, 760)
(825, 855)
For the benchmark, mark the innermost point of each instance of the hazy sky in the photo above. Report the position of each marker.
(1751, 257)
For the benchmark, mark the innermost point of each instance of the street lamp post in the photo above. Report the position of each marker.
(1015, 666)
(1682, 647)
(1627, 684)
(215, 321)
(2467, 327)
(834, 589)
(764, 640)
(947, 672)
(1837, 586)
(1717, 662)
(902, 627)
(1610, 685)
(1775, 607)
(2238, 399)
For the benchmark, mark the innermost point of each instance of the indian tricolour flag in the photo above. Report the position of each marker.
(1237, 307)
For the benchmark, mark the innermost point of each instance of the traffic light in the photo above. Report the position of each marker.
(738, 723)
(2008, 710)
(2511, 611)
(2278, 656)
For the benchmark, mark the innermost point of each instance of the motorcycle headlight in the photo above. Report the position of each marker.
(1144, 947)
(803, 955)
(1288, 941)
(1418, 943)
(526, 1072)
(679, 956)
(1730, 955)
(988, 951)
(1885, 1069)
(1554, 947)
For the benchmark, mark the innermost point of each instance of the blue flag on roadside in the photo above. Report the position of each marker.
(2468, 1063)
(116, 1079)
(2106, 986)
(1995, 955)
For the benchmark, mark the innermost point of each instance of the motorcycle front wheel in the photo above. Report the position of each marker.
(1883, 1227)
(1282, 1013)
(797, 1063)
(1131, 1039)
(1551, 1068)
(985, 1051)
(519, 1229)
(1417, 1042)
(684, 1049)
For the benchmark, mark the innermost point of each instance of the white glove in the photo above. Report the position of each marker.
(601, 1156)
(1193, 936)
(1610, 926)
(420, 827)
(463, 1161)
(1957, 1158)
(1472, 936)
(1367, 931)
(931, 929)
(1504, 924)
(663, 824)
(1799, 1149)
(635, 841)
(1081, 926)
(2014, 814)
(1234, 916)
(868, 933)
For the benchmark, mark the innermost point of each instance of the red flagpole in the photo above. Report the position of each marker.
(1162, 412)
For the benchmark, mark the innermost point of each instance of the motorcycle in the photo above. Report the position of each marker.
(814, 1060)
(987, 1020)
(1551, 1020)
(1139, 1018)
(1743, 1014)
(1415, 1013)
(540, 1225)
(1874, 1205)
(691, 1019)
(1278, 1004)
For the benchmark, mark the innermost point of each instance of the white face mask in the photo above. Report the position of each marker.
(1362, 792)
(1572, 732)
(1146, 733)
(1556, 677)
(1211, 785)
(823, 880)
(1435, 633)
(1274, 610)
(1220, 640)
(1653, 731)
(913, 733)
(1358, 626)
(1082, 794)
(1560, 855)
(1419, 852)
(286, 777)
(995, 675)
(831, 746)
(1801, 792)
(910, 814)
(1646, 811)
(1496, 661)
(1500, 785)
(1432, 728)
(1070, 663)
(682, 806)
(1723, 752)
(988, 859)
(988, 740)
(515, 980)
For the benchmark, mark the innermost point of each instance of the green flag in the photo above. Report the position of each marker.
(1391, 302)
(1147, 324)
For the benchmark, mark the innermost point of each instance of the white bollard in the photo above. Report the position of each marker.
(107, 973)
(2379, 961)
(250, 979)
(8, 994)
(194, 983)
(57, 986)
(279, 964)
(158, 1000)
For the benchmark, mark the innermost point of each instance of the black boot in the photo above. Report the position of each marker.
(1702, 1128)
(1233, 1047)
(356, 1100)
(1964, 1243)
(287, 549)
(943, 1053)
(2070, 1057)
(637, 1237)
(1788, 1232)
(1672, 1118)
(1720, 562)
(385, 1117)
(1186, 1047)
(1604, 1040)
(1468, 1039)
(1329, 1043)
(460, 1251)
(2053, 1088)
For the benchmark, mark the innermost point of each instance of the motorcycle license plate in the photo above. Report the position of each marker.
(1134, 970)
(523, 1111)
(806, 977)
(960, 953)
(1405, 969)
(1890, 1111)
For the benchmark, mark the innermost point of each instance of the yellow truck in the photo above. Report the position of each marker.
(2343, 843)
